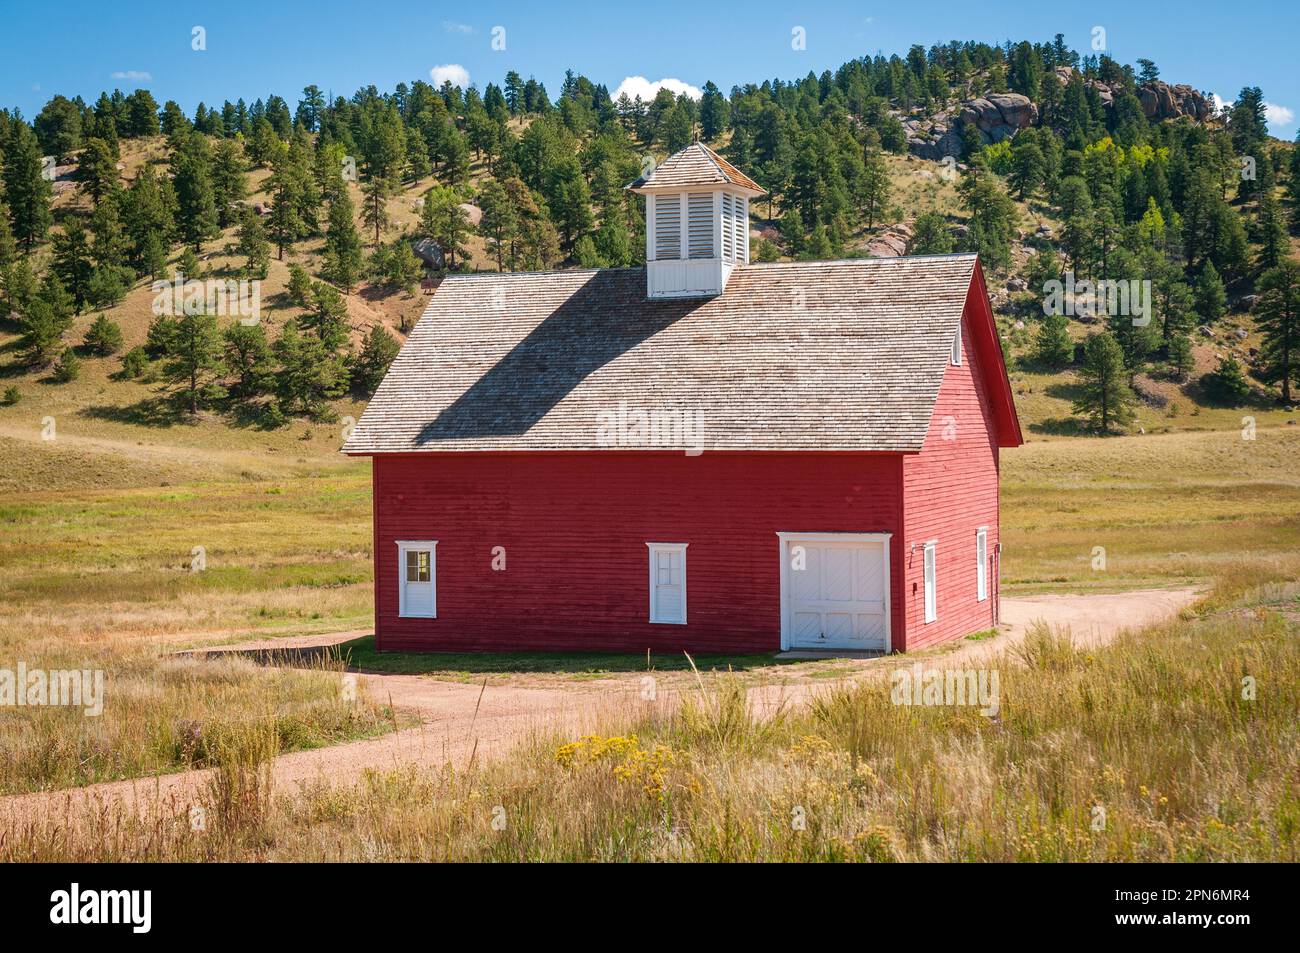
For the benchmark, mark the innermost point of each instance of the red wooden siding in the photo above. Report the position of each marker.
(574, 527)
(950, 491)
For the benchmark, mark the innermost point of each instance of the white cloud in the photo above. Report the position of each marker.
(451, 26)
(1278, 115)
(1275, 115)
(636, 86)
(452, 73)
(135, 75)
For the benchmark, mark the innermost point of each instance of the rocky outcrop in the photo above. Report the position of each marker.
(1000, 116)
(996, 117)
(1159, 99)
(891, 242)
(1162, 101)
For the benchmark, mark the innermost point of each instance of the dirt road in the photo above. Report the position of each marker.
(459, 721)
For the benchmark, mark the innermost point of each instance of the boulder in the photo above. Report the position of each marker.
(891, 242)
(996, 117)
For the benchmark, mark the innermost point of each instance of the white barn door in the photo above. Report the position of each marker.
(835, 591)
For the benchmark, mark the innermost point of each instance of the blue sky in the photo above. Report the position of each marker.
(253, 49)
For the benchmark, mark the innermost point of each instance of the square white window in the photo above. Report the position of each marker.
(417, 578)
(931, 608)
(981, 564)
(667, 583)
(956, 346)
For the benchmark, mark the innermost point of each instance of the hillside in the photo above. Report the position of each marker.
(896, 162)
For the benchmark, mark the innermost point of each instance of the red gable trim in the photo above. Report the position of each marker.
(985, 340)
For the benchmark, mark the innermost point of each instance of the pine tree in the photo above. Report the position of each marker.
(72, 260)
(98, 168)
(308, 374)
(27, 192)
(500, 223)
(874, 196)
(1270, 229)
(343, 255)
(42, 333)
(931, 235)
(372, 361)
(8, 247)
(67, 368)
(300, 289)
(993, 218)
(196, 212)
(254, 246)
(1181, 358)
(1227, 384)
(1027, 166)
(1105, 396)
(188, 266)
(247, 355)
(443, 220)
(104, 337)
(229, 184)
(153, 256)
(1211, 300)
(192, 359)
(285, 185)
(1278, 318)
(1053, 346)
(327, 316)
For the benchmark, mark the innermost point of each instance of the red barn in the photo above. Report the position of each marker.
(702, 454)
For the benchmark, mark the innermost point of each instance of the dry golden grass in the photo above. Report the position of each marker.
(1149, 749)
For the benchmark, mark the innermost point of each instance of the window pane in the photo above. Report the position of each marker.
(418, 565)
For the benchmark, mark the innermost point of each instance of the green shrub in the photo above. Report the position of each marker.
(135, 363)
(104, 337)
(68, 367)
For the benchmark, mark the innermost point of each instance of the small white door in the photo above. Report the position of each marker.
(836, 594)
(418, 572)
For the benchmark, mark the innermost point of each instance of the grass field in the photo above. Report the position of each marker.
(1150, 749)
(228, 538)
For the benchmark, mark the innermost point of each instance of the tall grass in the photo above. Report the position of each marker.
(163, 714)
(1145, 750)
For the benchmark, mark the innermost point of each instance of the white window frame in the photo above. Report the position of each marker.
(653, 550)
(956, 347)
(982, 564)
(930, 580)
(419, 545)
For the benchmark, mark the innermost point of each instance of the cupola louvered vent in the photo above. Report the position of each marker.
(700, 224)
(668, 226)
(740, 229)
(728, 246)
(697, 223)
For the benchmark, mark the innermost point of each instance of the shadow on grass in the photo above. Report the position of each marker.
(1063, 427)
(361, 655)
(161, 411)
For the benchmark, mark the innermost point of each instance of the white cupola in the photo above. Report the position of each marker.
(697, 223)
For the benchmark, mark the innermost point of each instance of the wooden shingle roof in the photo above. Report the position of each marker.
(695, 166)
(836, 355)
